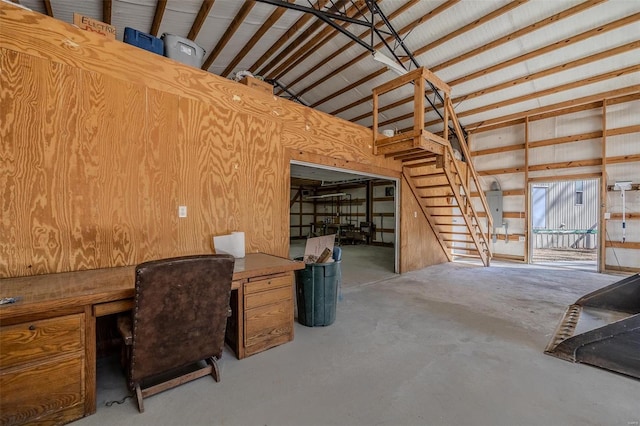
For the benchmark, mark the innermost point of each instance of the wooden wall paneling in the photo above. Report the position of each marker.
(266, 179)
(210, 145)
(118, 111)
(147, 134)
(419, 246)
(65, 165)
(19, 91)
(39, 238)
(157, 178)
(42, 113)
(90, 232)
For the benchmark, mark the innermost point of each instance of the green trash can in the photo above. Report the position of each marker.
(317, 293)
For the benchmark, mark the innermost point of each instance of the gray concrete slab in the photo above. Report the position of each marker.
(453, 344)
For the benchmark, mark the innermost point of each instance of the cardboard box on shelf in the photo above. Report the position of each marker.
(93, 25)
(257, 84)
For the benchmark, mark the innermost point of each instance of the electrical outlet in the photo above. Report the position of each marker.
(607, 215)
(521, 239)
(182, 211)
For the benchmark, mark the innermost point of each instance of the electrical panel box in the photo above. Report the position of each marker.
(494, 200)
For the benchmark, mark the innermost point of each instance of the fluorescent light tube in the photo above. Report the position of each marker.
(390, 63)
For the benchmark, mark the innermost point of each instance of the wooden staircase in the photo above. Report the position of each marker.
(440, 182)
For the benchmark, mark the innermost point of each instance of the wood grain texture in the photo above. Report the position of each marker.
(35, 340)
(39, 392)
(268, 313)
(43, 371)
(102, 142)
(418, 244)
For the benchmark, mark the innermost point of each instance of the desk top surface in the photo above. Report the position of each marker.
(51, 291)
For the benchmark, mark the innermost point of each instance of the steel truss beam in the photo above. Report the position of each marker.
(334, 14)
(285, 89)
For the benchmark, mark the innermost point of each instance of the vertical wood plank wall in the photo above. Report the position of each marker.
(101, 142)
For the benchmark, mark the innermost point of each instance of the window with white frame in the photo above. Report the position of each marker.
(579, 189)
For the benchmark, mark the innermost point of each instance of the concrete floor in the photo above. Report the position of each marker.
(453, 344)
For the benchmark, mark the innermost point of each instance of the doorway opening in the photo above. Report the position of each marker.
(360, 209)
(564, 223)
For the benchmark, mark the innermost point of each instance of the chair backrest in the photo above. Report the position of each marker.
(180, 313)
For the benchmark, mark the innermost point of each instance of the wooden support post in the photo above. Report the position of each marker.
(445, 133)
(375, 122)
(418, 105)
(602, 228)
(527, 203)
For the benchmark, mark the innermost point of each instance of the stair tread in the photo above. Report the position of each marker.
(474, 256)
(414, 156)
(465, 248)
(429, 197)
(419, 164)
(428, 175)
(402, 152)
(436, 186)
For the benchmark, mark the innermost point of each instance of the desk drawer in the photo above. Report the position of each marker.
(268, 326)
(30, 341)
(267, 297)
(46, 392)
(267, 284)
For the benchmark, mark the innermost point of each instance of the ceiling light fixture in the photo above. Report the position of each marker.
(390, 63)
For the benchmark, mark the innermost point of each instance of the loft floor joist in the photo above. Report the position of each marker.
(427, 154)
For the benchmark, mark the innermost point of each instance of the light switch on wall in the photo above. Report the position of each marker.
(182, 211)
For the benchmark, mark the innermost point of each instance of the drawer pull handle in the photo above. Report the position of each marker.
(32, 327)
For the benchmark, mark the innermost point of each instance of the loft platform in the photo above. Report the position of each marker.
(431, 165)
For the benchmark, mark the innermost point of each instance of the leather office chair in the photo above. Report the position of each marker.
(179, 320)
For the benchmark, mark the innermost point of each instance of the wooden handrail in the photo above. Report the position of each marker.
(465, 152)
(473, 210)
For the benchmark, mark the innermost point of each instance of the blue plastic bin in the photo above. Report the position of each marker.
(143, 40)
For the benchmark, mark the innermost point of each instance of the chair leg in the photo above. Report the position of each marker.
(139, 398)
(215, 371)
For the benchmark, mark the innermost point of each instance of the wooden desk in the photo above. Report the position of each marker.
(48, 336)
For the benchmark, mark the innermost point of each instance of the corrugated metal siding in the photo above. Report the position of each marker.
(562, 210)
(564, 215)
